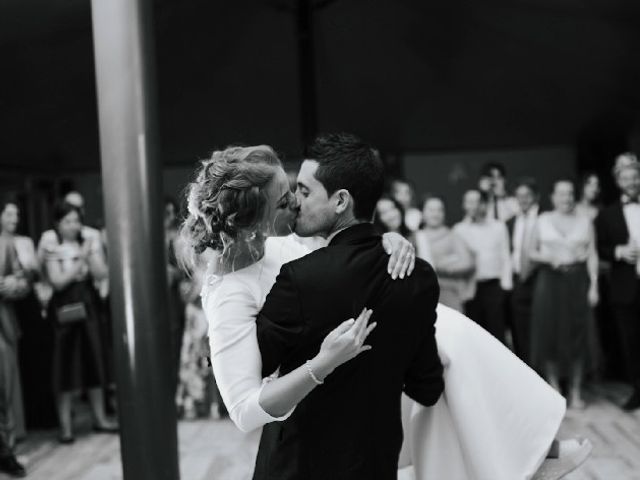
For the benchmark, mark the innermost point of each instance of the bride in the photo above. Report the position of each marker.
(496, 419)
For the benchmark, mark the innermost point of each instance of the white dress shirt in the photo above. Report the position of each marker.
(632, 217)
(231, 303)
(489, 242)
(506, 208)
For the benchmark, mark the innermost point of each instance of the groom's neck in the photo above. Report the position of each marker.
(343, 224)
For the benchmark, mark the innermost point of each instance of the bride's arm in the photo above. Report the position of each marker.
(237, 365)
(341, 345)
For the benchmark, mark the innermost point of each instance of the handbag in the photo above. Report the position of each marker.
(71, 313)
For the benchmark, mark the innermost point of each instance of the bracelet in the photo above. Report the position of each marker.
(312, 375)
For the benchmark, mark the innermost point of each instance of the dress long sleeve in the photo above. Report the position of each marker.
(235, 357)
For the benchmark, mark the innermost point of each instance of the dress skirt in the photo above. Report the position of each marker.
(496, 418)
(560, 318)
(78, 360)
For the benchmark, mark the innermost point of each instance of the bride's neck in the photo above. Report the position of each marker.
(241, 255)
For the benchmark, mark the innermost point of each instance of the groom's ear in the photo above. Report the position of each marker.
(343, 200)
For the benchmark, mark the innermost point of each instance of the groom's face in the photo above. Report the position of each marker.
(317, 209)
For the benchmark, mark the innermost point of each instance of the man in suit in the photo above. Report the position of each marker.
(350, 427)
(618, 238)
(521, 235)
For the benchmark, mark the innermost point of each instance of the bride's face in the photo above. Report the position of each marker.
(282, 209)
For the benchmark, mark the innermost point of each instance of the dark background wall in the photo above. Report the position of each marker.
(418, 78)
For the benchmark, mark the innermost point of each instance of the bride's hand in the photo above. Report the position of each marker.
(403, 254)
(342, 344)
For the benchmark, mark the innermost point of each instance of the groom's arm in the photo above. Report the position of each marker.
(424, 380)
(279, 324)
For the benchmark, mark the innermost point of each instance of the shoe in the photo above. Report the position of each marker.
(106, 428)
(10, 465)
(633, 403)
(572, 455)
(66, 439)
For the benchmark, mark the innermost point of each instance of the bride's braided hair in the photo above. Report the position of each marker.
(226, 199)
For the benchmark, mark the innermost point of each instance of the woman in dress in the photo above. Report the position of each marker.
(497, 418)
(13, 286)
(565, 291)
(36, 339)
(447, 253)
(71, 265)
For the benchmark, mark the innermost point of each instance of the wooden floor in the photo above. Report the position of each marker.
(216, 450)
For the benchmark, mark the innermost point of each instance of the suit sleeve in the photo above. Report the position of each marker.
(424, 380)
(280, 323)
(605, 245)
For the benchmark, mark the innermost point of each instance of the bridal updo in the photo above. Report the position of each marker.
(227, 200)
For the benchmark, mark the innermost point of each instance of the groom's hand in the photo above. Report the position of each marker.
(403, 255)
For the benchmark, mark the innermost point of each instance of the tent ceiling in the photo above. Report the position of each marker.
(408, 75)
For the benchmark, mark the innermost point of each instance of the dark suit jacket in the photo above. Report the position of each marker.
(611, 231)
(350, 427)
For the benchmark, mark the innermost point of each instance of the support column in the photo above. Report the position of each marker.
(132, 190)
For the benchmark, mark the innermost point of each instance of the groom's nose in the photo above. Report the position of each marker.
(295, 205)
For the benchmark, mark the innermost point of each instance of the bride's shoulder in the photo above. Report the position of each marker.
(286, 249)
(218, 289)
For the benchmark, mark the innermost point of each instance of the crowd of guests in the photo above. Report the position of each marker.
(56, 344)
(560, 287)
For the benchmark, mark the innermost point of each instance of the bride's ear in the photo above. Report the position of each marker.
(343, 200)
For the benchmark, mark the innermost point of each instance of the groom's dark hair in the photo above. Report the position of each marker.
(346, 161)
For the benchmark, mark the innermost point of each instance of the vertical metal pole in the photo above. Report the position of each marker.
(132, 185)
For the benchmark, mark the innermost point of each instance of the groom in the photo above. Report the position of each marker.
(349, 427)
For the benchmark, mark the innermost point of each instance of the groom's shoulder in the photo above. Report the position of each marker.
(424, 270)
(309, 261)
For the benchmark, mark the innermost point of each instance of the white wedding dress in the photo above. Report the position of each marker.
(495, 421)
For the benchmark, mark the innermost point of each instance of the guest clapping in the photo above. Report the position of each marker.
(446, 252)
(71, 263)
(566, 288)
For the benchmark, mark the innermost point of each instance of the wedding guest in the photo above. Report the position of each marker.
(36, 339)
(9, 464)
(175, 276)
(500, 205)
(404, 194)
(13, 286)
(589, 203)
(89, 234)
(197, 394)
(522, 230)
(389, 216)
(618, 233)
(488, 240)
(71, 263)
(446, 252)
(565, 291)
